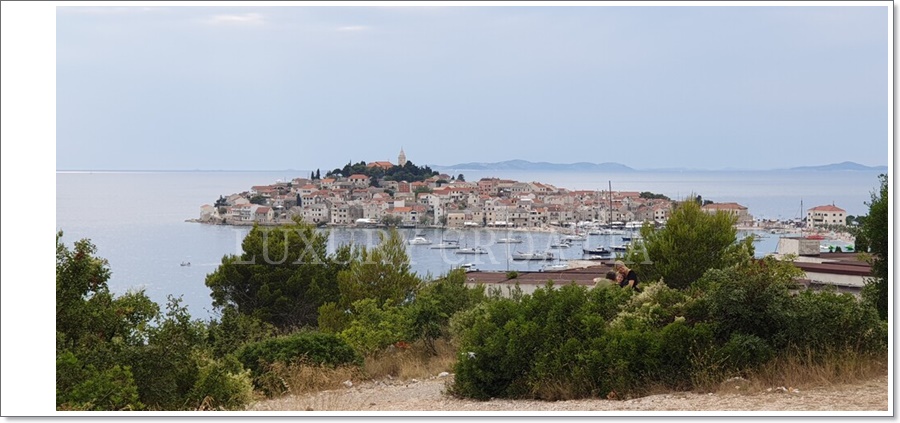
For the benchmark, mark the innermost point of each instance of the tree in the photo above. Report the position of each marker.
(95, 333)
(461, 178)
(691, 243)
(382, 273)
(318, 174)
(282, 277)
(391, 220)
(875, 231)
(118, 353)
(258, 199)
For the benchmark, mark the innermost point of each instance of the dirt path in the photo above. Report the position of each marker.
(428, 395)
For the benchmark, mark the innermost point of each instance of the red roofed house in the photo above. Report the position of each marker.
(383, 165)
(263, 214)
(743, 217)
(825, 215)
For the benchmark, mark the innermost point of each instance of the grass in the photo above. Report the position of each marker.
(798, 370)
(416, 361)
(824, 369)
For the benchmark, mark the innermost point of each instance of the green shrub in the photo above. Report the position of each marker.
(85, 388)
(538, 347)
(752, 299)
(374, 328)
(314, 347)
(222, 385)
(827, 320)
(745, 352)
(655, 307)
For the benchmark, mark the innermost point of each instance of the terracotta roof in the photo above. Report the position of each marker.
(583, 276)
(828, 208)
(724, 206)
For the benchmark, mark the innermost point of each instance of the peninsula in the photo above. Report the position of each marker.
(405, 195)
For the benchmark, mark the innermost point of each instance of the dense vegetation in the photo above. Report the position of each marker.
(409, 172)
(286, 304)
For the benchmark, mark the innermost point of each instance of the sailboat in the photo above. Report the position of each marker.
(419, 239)
(446, 244)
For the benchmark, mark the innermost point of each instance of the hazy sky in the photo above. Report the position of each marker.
(315, 87)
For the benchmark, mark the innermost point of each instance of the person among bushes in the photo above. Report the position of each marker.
(625, 276)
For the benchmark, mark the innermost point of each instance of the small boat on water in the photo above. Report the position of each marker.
(474, 250)
(612, 232)
(537, 255)
(564, 243)
(513, 240)
(554, 267)
(596, 251)
(619, 248)
(446, 245)
(419, 240)
(185, 263)
(469, 267)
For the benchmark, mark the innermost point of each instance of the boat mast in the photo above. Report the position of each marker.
(609, 194)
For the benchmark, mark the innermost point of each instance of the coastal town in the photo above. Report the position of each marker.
(441, 200)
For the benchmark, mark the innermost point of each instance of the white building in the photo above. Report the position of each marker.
(825, 215)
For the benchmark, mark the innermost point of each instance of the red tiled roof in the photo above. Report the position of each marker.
(724, 206)
(828, 208)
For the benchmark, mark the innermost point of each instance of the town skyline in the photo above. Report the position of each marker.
(220, 88)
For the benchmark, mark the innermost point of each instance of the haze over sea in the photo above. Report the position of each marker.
(137, 219)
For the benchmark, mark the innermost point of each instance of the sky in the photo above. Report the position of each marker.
(272, 88)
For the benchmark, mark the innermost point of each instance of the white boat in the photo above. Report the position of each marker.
(446, 245)
(563, 243)
(475, 250)
(513, 240)
(612, 232)
(469, 267)
(619, 248)
(185, 263)
(554, 267)
(419, 240)
(537, 255)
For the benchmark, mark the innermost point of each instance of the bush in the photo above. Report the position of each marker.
(374, 328)
(655, 307)
(222, 385)
(751, 299)
(827, 321)
(313, 347)
(744, 352)
(537, 347)
(85, 388)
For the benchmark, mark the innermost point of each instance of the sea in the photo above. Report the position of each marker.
(138, 220)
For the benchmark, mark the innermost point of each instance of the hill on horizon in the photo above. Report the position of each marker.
(525, 165)
(847, 165)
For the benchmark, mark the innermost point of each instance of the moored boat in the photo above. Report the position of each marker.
(598, 251)
(473, 250)
(537, 255)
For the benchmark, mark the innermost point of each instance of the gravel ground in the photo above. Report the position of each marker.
(429, 395)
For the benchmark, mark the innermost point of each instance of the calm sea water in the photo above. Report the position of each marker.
(137, 219)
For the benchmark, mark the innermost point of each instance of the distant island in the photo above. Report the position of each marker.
(842, 166)
(525, 165)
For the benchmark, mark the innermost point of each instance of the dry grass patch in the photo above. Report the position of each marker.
(302, 377)
(416, 361)
(805, 370)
